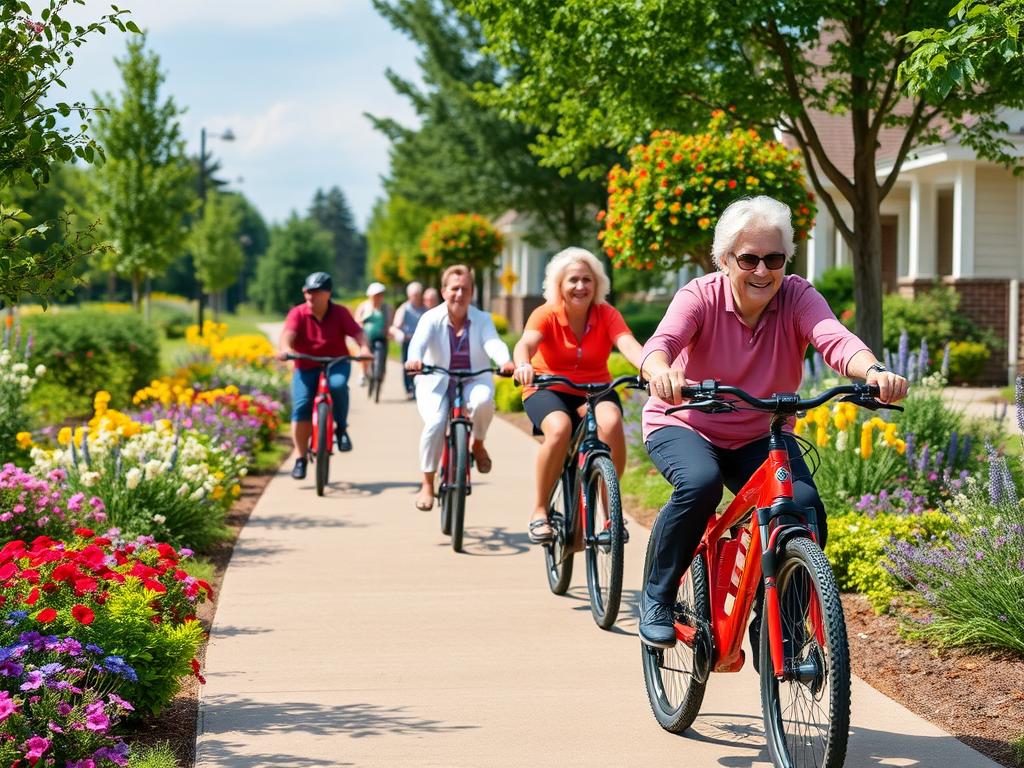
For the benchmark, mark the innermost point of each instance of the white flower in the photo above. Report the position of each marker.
(841, 441)
(132, 478)
(40, 370)
(153, 468)
(198, 494)
(19, 368)
(183, 489)
(89, 479)
(159, 519)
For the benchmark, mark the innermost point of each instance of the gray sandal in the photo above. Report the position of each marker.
(536, 535)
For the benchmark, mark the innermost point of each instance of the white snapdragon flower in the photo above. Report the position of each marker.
(841, 440)
(132, 478)
(40, 370)
(19, 368)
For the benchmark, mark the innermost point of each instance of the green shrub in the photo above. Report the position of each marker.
(174, 326)
(508, 397)
(966, 361)
(645, 322)
(620, 366)
(85, 352)
(159, 756)
(836, 285)
(856, 548)
(934, 316)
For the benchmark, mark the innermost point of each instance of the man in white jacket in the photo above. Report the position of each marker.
(457, 336)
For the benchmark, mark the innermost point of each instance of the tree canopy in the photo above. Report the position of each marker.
(332, 212)
(216, 251)
(297, 248)
(593, 75)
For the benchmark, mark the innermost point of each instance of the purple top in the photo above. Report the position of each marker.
(459, 346)
(703, 335)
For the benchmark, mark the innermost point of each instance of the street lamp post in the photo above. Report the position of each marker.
(227, 135)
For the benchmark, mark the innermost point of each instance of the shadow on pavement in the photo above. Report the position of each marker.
(233, 753)
(494, 542)
(298, 521)
(372, 489)
(222, 631)
(629, 608)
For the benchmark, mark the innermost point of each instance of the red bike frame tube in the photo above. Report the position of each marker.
(323, 393)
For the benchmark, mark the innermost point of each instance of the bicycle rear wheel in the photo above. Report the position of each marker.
(460, 449)
(807, 718)
(676, 678)
(557, 555)
(605, 540)
(323, 447)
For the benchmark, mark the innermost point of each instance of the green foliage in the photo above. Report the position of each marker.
(508, 397)
(89, 351)
(1018, 749)
(618, 365)
(393, 236)
(967, 359)
(17, 380)
(836, 285)
(857, 545)
(643, 319)
(662, 211)
(174, 325)
(500, 323)
(216, 252)
(332, 212)
(297, 248)
(158, 756)
(461, 238)
(933, 315)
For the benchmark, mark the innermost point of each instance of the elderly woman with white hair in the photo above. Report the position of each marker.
(747, 325)
(571, 335)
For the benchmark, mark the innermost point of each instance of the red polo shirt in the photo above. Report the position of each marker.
(325, 337)
(584, 360)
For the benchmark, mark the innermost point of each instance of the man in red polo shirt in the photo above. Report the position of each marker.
(319, 327)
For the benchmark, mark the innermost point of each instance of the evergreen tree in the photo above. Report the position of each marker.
(331, 211)
(297, 248)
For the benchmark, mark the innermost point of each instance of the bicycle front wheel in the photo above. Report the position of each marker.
(605, 540)
(323, 447)
(379, 364)
(460, 447)
(676, 678)
(807, 717)
(557, 555)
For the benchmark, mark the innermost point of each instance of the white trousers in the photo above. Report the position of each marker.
(479, 405)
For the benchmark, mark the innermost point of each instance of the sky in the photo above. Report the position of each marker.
(290, 79)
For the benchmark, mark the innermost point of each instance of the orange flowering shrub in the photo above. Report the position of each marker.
(662, 210)
(461, 238)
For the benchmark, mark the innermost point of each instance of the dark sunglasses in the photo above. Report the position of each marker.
(748, 261)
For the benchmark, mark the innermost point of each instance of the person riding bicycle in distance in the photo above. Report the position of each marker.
(318, 327)
(571, 335)
(375, 317)
(748, 325)
(457, 336)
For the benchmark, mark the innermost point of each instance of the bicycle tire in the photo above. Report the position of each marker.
(605, 537)
(675, 690)
(323, 447)
(460, 440)
(557, 556)
(445, 499)
(379, 364)
(803, 567)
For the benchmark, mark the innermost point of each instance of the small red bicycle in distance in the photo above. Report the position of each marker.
(321, 442)
(804, 656)
(454, 481)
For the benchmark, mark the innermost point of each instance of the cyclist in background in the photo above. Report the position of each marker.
(318, 327)
(457, 336)
(571, 335)
(375, 317)
(431, 298)
(748, 325)
(404, 325)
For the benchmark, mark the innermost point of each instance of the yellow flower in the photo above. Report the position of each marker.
(820, 415)
(865, 442)
(64, 436)
(840, 420)
(236, 490)
(901, 447)
(822, 437)
(24, 440)
(800, 425)
(218, 492)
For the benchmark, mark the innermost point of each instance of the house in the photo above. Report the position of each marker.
(515, 287)
(950, 217)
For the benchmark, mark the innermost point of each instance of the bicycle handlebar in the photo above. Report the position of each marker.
(324, 360)
(458, 374)
(545, 380)
(708, 396)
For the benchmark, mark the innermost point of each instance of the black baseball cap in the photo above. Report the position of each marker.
(318, 281)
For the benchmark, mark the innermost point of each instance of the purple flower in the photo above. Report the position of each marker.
(901, 355)
(7, 705)
(95, 718)
(34, 681)
(35, 747)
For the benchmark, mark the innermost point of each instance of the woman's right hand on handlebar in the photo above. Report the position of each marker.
(523, 374)
(668, 385)
(414, 366)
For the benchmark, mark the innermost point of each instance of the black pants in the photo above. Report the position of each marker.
(407, 378)
(697, 471)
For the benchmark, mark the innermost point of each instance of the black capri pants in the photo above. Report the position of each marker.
(697, 471)
(545, 401)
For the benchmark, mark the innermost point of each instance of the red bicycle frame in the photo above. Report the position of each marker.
(447, 466)
(323, 394)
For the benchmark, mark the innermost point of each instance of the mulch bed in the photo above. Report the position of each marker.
(176, 724)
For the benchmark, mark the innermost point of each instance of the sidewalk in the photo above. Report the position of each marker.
(984, 403)
(349, 634)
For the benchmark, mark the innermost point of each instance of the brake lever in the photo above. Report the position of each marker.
(708, 406)
(866, 401)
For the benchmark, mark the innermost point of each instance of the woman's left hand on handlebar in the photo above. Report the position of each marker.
(414, 366)
(523, 374)
(891, 387)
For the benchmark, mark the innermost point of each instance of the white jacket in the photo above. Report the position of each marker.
(430, 344)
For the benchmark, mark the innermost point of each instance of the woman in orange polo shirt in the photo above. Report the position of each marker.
(571, 335)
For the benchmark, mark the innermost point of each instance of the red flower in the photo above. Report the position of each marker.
(50, 587)
(167, 551)
(83, 614)
(46, 615)
(86, 533)
(7, 570)
(65, 572)
(205, 585)
(83, 586)
(32, 597)
(154, 586)
(32, 577)
(195, 671)
(732, 184)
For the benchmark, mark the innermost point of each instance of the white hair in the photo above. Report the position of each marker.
(414, 287)
(759, 212)
(561, 261)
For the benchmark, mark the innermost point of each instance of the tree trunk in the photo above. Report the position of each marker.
(137, 292)
(149, 298)
(111, 286)
(867, 258)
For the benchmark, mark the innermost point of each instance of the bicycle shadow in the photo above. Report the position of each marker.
(629, 609)
(343, 488)
(493, 541)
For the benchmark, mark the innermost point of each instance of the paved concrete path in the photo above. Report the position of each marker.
(349, 634)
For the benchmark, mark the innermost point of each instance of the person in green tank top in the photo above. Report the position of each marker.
(375, 316)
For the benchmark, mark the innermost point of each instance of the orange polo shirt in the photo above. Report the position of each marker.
(560, 352)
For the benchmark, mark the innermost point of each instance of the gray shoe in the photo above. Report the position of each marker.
(299, 470)
(657, 624)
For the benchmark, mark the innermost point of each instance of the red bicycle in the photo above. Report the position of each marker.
(321, 442)
(804, 656)
(455, 485)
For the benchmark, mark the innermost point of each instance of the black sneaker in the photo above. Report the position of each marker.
(657, 624)
(299, 470)
(344, 441)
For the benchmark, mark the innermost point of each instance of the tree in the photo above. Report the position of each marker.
(216, 252)
(601, 74)
(466, 157)
(662, 211)
(331, 211)
(393, 235)
(144, 191)
(297, 248)
(254, 238)
(461, 238)
(35, 54)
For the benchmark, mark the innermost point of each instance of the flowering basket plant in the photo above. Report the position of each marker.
(461, 238)
(662, 210)
(132, 598)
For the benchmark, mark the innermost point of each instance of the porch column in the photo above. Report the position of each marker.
(922, 256)
(818, 245)
(963, 222)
